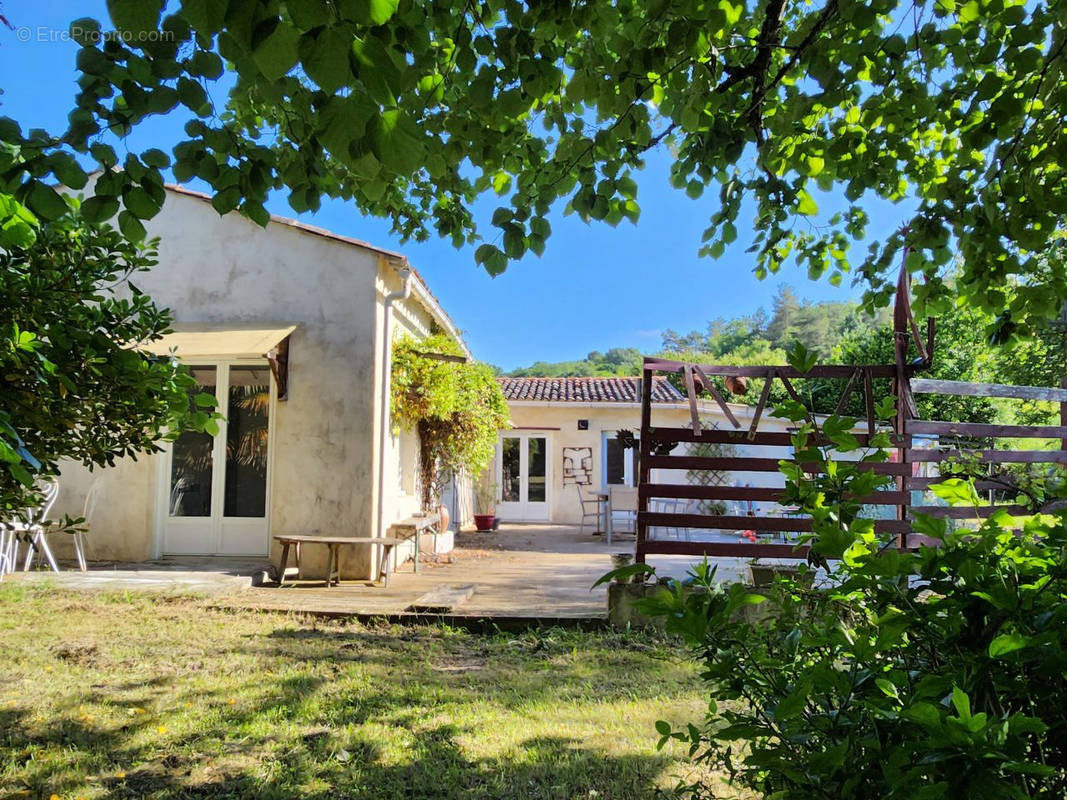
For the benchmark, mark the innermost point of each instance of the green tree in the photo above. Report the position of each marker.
(73, 387)
(413, 110)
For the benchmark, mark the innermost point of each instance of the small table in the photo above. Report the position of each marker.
(333, 544)
(604, 521)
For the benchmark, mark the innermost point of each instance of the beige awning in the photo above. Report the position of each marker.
(225, 340)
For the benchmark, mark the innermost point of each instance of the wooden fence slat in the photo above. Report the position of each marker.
(966, 389)
(669, 547)
(980, 485)
(759, 464)
(685, 491)
(726, 436)
(763, 397)
(990, 456)
(981, 430)
(962, 512)
(826, 371)
(659, 519)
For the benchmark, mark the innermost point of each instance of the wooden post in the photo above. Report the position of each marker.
(1063, 413)
(644, 471)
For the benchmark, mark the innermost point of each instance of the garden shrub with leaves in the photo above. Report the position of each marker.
(72, 386)
(456, 408)
(940, 673)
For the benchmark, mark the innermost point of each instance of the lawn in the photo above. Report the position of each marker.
(141, 695)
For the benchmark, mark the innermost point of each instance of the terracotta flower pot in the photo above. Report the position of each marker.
(484, 522)
(445, 517)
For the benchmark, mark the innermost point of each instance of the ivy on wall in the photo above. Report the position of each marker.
(456, 408)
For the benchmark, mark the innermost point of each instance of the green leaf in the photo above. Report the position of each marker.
(99, 209)
(227, 200)
(204, 400)
(308, 14)
(961, 702)
(131, 227)
(205, 16)
(888, 688)
(278, 52)
(398, 142)
(957, 492)
(140, 203)
(21, 474)
(806, 205)
(135, 16)
(1007, 643)
(154, 157)
(68, 170)
(325, 58)
(46, 202)
(380, 11)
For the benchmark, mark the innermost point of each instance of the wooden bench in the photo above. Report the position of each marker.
(406, 528)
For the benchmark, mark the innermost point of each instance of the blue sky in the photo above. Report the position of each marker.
(594, 288)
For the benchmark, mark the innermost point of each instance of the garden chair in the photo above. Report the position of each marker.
(79, 535)
(7, 549)
(590, 507)
(622, 501)
(34, 529)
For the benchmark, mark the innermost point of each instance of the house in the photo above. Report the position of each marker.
(564, 442)
(290, 328)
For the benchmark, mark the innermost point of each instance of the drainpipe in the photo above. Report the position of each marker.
(403, 271)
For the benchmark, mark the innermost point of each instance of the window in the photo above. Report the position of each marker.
(620, 465)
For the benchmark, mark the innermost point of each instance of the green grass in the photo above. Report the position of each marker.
(139, 695)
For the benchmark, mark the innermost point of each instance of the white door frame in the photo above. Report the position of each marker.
(162, 494)
(524, 510)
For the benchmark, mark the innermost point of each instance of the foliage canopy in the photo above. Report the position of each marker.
(414, 109)
(72, 386)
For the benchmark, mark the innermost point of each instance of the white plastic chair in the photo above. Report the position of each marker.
(79, 536)
(621, 500)
(35, 528)
(7, 549)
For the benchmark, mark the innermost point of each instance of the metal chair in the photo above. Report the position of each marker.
(79, 535)
(7, 549)
(586, 503)
(34, 528)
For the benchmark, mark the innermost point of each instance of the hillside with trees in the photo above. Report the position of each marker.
(842, 333)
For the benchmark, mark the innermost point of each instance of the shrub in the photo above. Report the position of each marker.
(930, 674)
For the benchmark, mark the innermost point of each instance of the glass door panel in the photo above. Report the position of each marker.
(246, 442)
(536, 488)
(192, 462)
(218, 485)
(524, 474)
(510, 469)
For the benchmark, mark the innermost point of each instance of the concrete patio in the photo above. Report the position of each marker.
(539, 572)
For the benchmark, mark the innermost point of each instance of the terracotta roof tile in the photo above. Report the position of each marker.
(586, 390)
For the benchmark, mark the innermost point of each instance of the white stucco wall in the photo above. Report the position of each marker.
(559, 422)
(323, 479)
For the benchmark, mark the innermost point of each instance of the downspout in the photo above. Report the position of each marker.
(403, 271)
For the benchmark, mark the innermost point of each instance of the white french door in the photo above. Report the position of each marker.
(524, 475)
(217, 486)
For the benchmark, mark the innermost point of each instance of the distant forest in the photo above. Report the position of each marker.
(756, 339)
(842, 333)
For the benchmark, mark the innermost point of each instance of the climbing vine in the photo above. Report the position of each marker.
(456, 408)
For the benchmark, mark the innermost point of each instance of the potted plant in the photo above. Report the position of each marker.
(484, 505)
